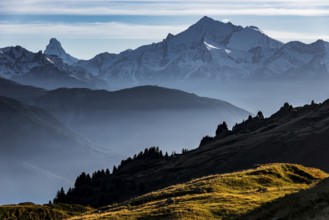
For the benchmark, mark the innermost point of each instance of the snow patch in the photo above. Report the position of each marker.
(211, 47)
(1, 52)
(50, 61)
(227, 51)
(75, 77)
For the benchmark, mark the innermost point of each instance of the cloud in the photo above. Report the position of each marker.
(169, 7)
(108, 30)
(116, 30)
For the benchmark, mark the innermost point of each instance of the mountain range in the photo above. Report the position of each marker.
(208, 50)
(212, 50)
(42, 70)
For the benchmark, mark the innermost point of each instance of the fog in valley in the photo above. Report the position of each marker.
(260, 95)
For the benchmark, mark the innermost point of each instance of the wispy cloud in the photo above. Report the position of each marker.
(168, 7)
(107, 30)
(116, 30)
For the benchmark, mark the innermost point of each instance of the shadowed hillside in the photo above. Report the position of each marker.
(312, 203)
(18, 91)
(294, 135)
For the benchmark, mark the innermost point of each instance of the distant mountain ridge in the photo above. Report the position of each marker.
(19, 91)
(207, 50)
(212, 50)
(42, 70)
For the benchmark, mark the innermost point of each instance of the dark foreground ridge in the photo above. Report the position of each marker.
(293, 135)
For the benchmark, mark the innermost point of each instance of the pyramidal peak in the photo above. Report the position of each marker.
(55, 48)
(55, 42)
(206, 19)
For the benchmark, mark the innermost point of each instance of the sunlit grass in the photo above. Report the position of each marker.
(227, 196)
(31, 211)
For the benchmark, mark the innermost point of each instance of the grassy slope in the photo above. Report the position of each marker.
(30, 211)
(227, 196)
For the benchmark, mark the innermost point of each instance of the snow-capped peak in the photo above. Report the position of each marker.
(206, 29)
(55, 48)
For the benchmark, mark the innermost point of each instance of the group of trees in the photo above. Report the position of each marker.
(103, 182)
(250, 124)
(223, 130)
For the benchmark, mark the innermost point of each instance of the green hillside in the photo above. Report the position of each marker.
(226, 196)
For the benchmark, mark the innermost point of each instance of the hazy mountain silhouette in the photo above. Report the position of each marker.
(148, 115)
(19, 91)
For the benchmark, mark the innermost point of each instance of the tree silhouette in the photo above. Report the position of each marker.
(114, 169)
(221, 128)
(206, 140)
(60, 196)
(260, 115)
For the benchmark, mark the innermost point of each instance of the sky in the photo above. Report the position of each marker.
(88, 27)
